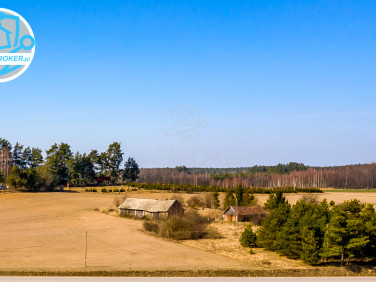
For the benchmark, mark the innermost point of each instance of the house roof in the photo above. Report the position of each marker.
(247, 210)
(148, 205)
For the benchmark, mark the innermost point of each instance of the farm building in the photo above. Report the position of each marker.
(253, 214)
(150, 208)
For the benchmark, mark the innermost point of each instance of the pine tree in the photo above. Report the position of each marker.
(131, 170)
(273, 224)
(249, 199)
(248, 237)
(216, 199)
(229, 200)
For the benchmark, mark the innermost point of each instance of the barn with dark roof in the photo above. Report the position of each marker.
(252, 214)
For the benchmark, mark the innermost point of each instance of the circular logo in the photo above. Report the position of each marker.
(17, 45)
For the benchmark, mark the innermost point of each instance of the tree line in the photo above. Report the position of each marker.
(290, 175)
(316, 232)
(208, 188)
(25, 167)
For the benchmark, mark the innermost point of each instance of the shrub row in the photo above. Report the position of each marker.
(104, 190)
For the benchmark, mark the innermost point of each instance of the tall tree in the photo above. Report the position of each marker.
(6, 157)
(114, 158)
(5, 144)
(279, 212)
(17, 155)
(229, 199)
(26, 158)
(216, 199)
(82, 167)
(239, 192)
(58, 158)
(96, 161)
(131, 170)
(249, 199)
(36, 158)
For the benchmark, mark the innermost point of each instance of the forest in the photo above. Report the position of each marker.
(20, 166)
(290, 175)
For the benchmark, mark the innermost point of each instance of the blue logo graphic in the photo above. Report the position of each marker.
(17, 44)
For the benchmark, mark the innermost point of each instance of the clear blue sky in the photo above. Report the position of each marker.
(273, 81)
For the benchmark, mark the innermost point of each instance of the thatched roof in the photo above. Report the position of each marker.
(248, 210)
(148, 205)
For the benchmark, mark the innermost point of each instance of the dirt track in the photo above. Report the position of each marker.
(47, 231)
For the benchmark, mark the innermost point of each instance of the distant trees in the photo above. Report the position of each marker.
(317, 232)
(290, 175)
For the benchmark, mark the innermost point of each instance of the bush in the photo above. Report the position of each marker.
(209, 201)
(104, 190)
(151, 226)
(94, 190)
(189, 226)
(116, 190)
(248, 237)
(195, 201)
(109, 190)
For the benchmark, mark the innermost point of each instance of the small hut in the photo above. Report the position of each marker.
(252, 214)
(150, 208)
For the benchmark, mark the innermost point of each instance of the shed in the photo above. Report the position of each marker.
(252, 214)
(150, 208)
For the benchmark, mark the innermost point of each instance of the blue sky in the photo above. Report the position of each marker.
(255, 82)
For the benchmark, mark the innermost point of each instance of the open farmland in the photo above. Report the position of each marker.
(46, 232)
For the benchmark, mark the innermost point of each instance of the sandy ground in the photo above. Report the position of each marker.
(47, 231)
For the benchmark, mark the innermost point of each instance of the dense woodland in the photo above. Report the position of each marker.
(290, 175)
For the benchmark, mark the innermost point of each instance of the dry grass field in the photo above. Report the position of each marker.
(46, 231)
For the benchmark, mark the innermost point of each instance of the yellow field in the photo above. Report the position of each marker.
(46, 231)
